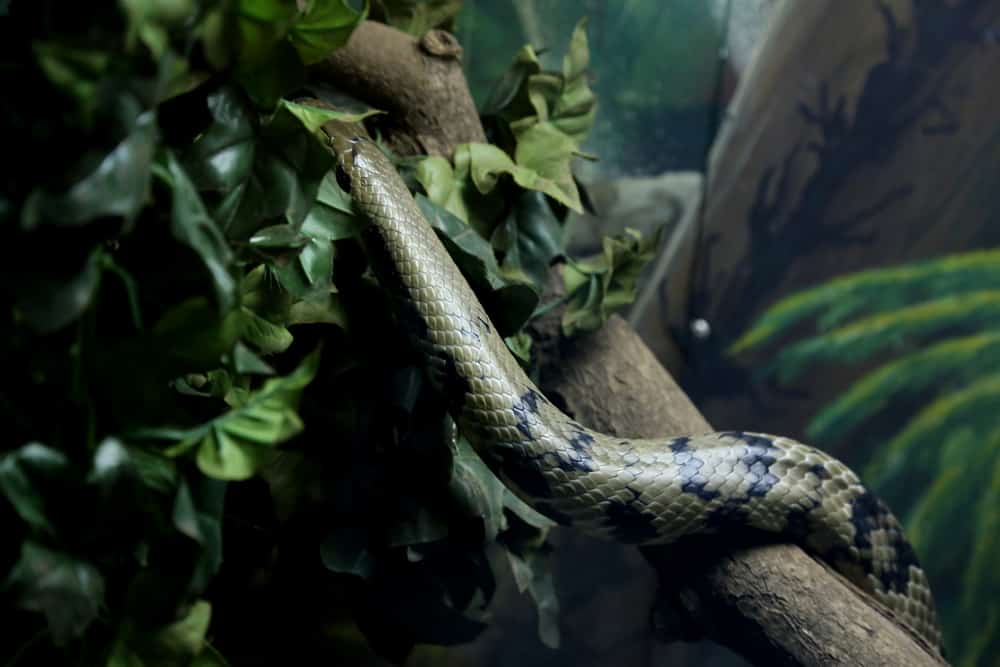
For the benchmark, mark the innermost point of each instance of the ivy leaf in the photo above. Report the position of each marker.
(313, 117)
(532, 574)
(268, 65)
(531, 238)
(596, 288)
(116, 188)
(476, 489)
(76, 71)
(220, 159)
(68, 591)
(49, 303)
(183, 639)
(283, 237)
(416, 17)
(345, 550)
(544, 155)
(197, 514)
(234, 444)
(289, 164)
(246, 362)
(192, 225)
(24, 474)
(509, 302)
(178, 643)
(325, 26)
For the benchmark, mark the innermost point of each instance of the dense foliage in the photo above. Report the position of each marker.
(218, 445)
(927, 409)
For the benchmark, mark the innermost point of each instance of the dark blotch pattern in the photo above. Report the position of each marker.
(692, 479)
(820, 471)
(526, 411)
(628, 522)
(681, 444)
(868, 514)
(758, 461)
(750, 439)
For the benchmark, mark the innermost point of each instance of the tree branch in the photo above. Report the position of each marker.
(419, 82)
(774, 604)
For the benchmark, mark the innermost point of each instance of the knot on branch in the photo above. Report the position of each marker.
(441, 44)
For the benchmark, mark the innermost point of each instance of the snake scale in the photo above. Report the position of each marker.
(643, 492)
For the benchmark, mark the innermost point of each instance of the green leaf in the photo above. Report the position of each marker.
(220, 160)
(531, 238)
(324, 27)
(544, 155)
(314, 117)
(68, 591)
(526, 513)
(183, 639)
(249, 363)
(597, 287)
(416, 524)
(289, 165)
(266, 336)
(150, 21)
(279, 236)
(476, 490)
(191, 225)
(76, 71)
(327, 310)
(22, 471)
(416, 17)
(116, 188)
(197, 513)
(262, 25)
(345, 550)
(233, 445)
(532, 574)
(48, 303)
(509, 302)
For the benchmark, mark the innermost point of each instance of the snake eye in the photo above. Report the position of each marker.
(343, 178)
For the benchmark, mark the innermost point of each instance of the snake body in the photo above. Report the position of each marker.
(637, 491)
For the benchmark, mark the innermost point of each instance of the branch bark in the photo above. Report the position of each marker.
(419, 82)
(773, 604)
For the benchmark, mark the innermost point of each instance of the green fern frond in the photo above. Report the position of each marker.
(860, 339)
(940, 366)
(876, 290)
(913, 456)
(982, 578)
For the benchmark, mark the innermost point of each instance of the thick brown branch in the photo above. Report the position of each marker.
(419, 82)
(773, 604)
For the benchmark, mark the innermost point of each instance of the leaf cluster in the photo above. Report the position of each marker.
(217, 438)
(931, 399)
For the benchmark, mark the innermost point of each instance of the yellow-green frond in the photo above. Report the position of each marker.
(915, 453)
(875, 290)
(860, 339)
(941, 366)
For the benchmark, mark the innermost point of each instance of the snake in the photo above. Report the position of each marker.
(645, 492)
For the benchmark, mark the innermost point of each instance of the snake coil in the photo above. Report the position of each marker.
(643, 492)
